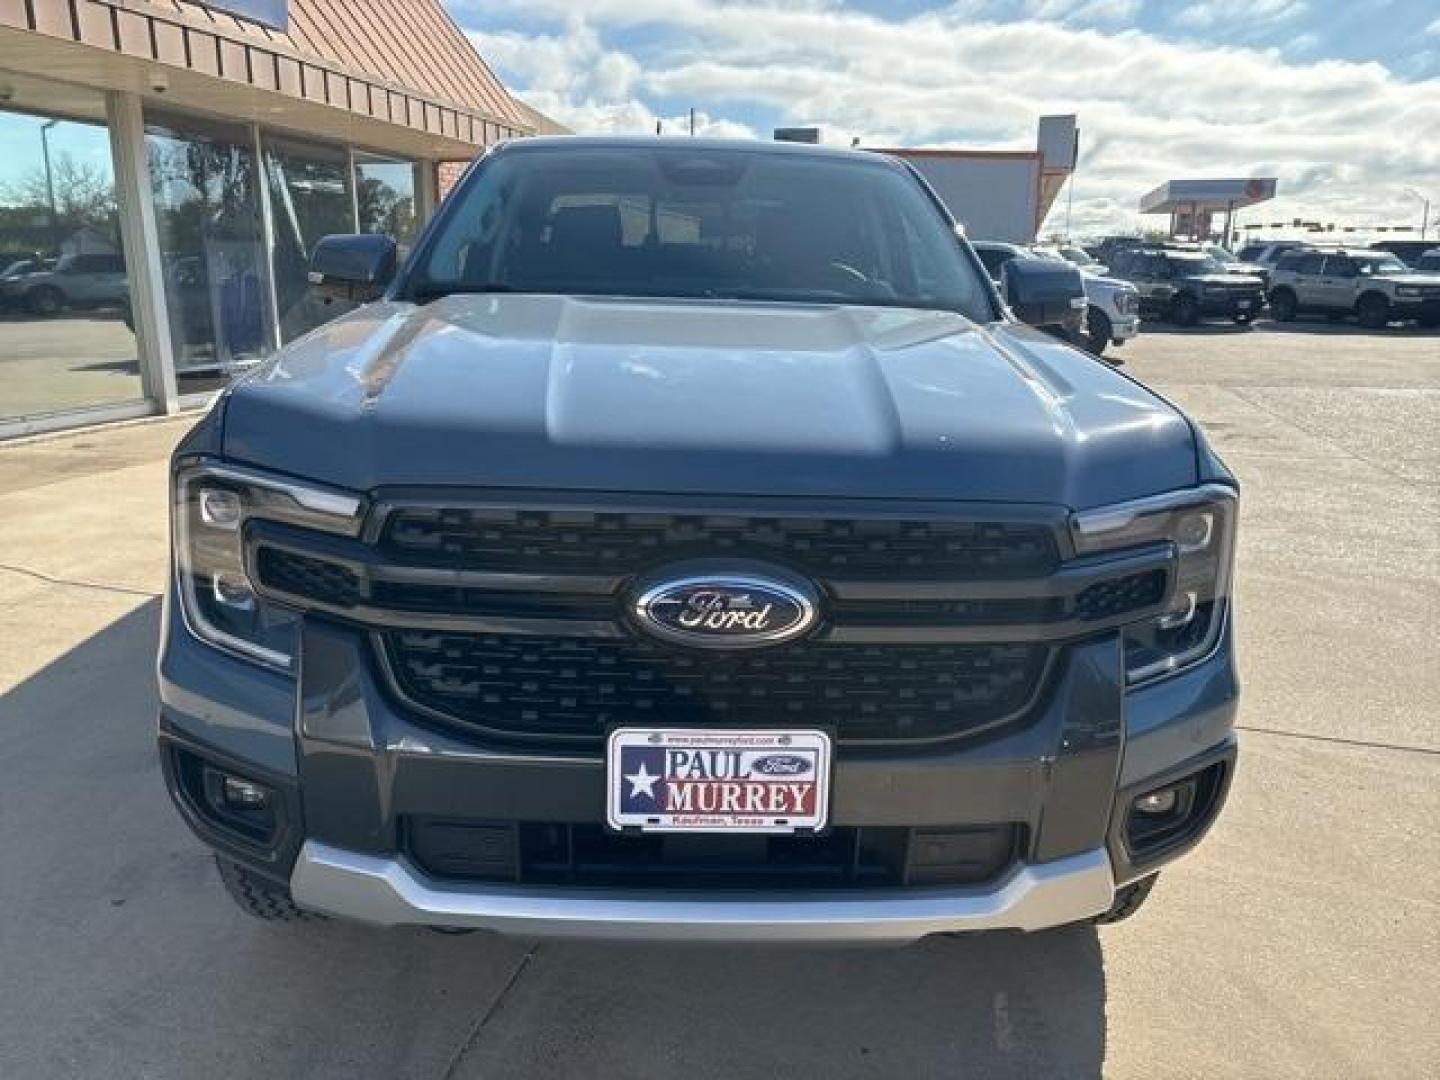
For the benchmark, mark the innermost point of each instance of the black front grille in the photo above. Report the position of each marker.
(586, 542)
(575, 687)
(302, 575)
(1117, 596)
(589, 854)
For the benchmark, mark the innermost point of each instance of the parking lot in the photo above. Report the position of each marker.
(1302, 939)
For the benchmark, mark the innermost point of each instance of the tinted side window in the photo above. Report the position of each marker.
(97, 264)
(1340, 266)
(994, 260)
(1309, 264)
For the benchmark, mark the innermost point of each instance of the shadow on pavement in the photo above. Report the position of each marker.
(125, 958)
(994, 1005)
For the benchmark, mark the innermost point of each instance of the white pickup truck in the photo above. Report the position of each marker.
(1113, 315)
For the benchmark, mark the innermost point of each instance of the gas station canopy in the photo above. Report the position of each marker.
(1193, 204)
(1213, 196)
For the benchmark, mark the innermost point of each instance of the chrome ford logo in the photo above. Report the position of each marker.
(726, 611)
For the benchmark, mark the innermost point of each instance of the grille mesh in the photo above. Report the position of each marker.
(1117, 596)
(314, 579)
(575, 688)
(548, 541)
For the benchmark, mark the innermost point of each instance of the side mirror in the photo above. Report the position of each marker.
(1043, 292)
(357, 268)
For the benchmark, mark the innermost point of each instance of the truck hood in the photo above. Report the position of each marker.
(718, 397)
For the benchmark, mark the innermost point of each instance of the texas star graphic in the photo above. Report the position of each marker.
(642, 781)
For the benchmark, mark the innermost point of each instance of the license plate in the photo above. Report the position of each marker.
(1243, 305)
(688, 780)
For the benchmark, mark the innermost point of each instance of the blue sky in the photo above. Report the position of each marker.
(1340, 100)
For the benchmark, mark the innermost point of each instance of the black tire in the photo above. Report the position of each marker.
(1283, 306)
(1373, 311)
(1184, 310)
(1099, 331)
(45, 300)
(260, 898)
(1128, 900)
(1429, 322)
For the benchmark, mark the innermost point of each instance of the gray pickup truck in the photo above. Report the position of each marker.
(688, 543)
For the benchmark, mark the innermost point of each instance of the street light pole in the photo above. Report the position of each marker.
(50, 184)
(1425, 215)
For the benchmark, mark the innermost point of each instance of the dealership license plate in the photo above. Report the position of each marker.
(688, 780)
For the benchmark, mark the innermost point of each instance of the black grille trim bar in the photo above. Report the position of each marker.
(494, 603)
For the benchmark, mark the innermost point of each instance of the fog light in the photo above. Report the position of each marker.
(233, 590)
(220, 508)
(244, 795)
(1157, 802)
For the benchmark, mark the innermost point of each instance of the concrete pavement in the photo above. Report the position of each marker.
(1303, 939)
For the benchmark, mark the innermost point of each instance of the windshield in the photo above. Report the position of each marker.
(700, 223)
(1189, 263)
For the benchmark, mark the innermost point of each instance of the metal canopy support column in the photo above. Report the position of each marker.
(267, 241)
(425, 190)
(141, 242)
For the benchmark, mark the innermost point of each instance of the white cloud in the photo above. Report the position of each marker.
(1343, 138)
(1433, 28)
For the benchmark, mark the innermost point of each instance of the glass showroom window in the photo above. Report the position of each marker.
(207, 214)
(65, 327)
(385, 194)
(311, 195)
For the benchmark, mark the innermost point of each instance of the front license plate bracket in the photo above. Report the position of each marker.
(686, 780)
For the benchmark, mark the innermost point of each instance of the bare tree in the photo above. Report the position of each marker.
(84, 193)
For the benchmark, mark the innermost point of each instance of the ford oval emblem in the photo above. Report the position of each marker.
(726, 610)
(780, 765)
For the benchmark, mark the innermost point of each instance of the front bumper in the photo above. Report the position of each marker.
(351, 768)
(390, 892)
(1123, 328)
(1232, 306)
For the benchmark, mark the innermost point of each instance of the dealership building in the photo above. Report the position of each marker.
(168, 165)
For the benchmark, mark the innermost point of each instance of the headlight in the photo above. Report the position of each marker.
(212, 505)
(1200, 527)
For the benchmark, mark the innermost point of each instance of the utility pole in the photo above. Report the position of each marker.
(692, 123)
(1425, 217)
(50, 184)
